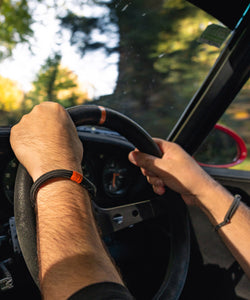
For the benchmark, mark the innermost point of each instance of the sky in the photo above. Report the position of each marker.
(95, 70)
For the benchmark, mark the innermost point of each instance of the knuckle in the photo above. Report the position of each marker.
(48, 105)
(48, 108)
(146, 161)
(13, 131)
(155, 181)
(36, 108)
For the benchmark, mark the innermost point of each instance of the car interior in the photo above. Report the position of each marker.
(163, 249)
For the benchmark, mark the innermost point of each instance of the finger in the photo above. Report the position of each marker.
(144, 171)
(159, 190)
(166, 146)
(152, 164)
(155, 181)
(147, 173)
(148, 166)
(143, 160)
(131, 156)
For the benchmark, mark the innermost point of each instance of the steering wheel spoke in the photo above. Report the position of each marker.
(117, 218)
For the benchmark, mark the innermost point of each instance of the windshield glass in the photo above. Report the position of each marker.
(143, 58)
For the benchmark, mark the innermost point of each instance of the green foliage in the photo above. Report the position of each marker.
(217, 149)
(161, 62)
(244, 166)
(81, 31)
(15, 25)
(44, 85)
(55, 83)
(158, 45)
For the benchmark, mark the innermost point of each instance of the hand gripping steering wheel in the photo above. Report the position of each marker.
(180, 234)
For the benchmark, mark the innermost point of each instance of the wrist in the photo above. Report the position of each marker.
(198, 193)
(215, 201)
(41, 170)
(57, 175)
(62, 194)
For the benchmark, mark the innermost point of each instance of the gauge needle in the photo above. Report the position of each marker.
(114, 179)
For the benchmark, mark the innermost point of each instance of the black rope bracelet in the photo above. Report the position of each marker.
(232, 209)
(61, 173)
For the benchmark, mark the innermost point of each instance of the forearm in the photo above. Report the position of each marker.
(215, 203)
(70, 251)
(177, 170)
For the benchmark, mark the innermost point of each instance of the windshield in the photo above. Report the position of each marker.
(145, 59)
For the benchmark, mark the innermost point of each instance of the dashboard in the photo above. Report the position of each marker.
(105, 163)
(122, 201)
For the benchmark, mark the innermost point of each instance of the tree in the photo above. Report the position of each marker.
(55, 83)
(15, 25)
(161, 62)
(11, 97)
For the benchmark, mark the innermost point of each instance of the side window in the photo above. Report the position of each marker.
(237, 117)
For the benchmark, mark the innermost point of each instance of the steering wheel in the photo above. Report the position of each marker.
(117, 218)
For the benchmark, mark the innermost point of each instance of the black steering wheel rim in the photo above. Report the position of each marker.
(25, 216)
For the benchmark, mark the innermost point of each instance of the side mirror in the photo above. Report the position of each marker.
(223, 148)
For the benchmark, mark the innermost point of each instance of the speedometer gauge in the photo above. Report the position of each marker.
(115, 178)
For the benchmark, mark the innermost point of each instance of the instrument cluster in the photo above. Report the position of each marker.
(118, 182)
